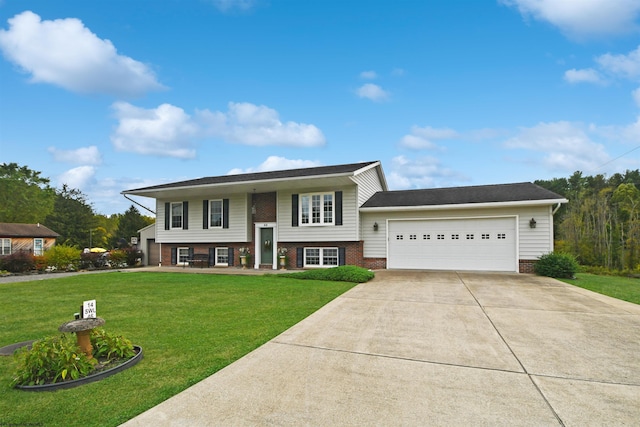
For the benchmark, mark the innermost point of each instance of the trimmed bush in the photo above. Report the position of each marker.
(557, 265)
(63, 257)
(344, 273)
(18, 262)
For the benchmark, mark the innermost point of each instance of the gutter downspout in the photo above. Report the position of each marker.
(133, 201)
(556, 208)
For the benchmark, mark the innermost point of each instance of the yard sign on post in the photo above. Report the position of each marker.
(89, 309)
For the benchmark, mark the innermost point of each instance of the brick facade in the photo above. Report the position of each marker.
(527, 265)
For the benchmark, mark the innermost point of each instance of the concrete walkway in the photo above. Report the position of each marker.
(434, 348)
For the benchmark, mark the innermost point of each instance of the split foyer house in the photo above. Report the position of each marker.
(30, 238)
(345, 214)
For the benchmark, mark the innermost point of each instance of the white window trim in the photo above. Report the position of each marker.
(321, 255)
(2, 241)
(41, 250)
(221, 264)
(221, 213)
(322, 222)
(171, 215)
(186, 261)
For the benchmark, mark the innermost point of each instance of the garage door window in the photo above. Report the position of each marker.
(320, 257)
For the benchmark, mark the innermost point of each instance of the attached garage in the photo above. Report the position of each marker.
(454, 244)
(502, 227)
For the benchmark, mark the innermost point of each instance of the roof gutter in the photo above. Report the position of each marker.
(464, 206)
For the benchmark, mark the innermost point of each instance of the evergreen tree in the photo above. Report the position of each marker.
(72, 217)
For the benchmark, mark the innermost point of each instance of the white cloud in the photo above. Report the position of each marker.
(83, 156)
(582, 18)
(78, 178)
(625, 66)
(587, 75)
(425, 137)
(163, 131)
(369, 75)
(65, 53)
(566, 146)
(420, 173)
(258, 125)
(397, 72)
(274, 163)
(372, 92)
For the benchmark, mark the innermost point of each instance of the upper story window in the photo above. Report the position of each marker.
(176, 215)
(316, 209)
(216, 213)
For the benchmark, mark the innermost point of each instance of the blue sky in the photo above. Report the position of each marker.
(113, 95)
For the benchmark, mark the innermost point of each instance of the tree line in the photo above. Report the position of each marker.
(29, 198)
(600, 225)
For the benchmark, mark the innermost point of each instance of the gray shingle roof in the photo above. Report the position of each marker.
(8, 229)
(524, 191)
(264, 176)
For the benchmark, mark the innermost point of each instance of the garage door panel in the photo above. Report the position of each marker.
(456, 244)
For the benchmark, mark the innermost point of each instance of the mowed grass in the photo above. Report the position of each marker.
(624, 288)
(189, 326)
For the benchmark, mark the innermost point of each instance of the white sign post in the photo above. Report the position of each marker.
(89, 309)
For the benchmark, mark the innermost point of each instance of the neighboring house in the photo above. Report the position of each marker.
(32, 238)
(344, 214)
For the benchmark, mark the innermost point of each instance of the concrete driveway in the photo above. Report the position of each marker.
(434, 348)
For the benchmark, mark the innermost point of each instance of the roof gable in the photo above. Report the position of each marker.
(8, 229)
(501, 193)
(288, 174)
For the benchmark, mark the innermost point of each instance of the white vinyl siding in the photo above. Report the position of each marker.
(239, 223)
(348, 231)
(532, 242)
(368, 184)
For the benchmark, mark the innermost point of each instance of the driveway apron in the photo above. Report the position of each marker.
(434, 348)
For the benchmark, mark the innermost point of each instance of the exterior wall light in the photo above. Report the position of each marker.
(532, 223)
(375, 226)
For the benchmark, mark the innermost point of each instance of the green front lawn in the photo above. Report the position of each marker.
(189, 326)
(624, 288)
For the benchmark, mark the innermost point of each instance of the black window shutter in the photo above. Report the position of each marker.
(185, 215)
(212, 257)
(225, 213)
(167, 216)
(174, 256)
(342, 256)
(230, 257)
(190, 253)
(205, 214)
(338, 207)
(299, 257)
(294, 210)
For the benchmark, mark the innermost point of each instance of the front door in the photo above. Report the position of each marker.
(266, 246)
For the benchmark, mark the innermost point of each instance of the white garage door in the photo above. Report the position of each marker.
(453, 244)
